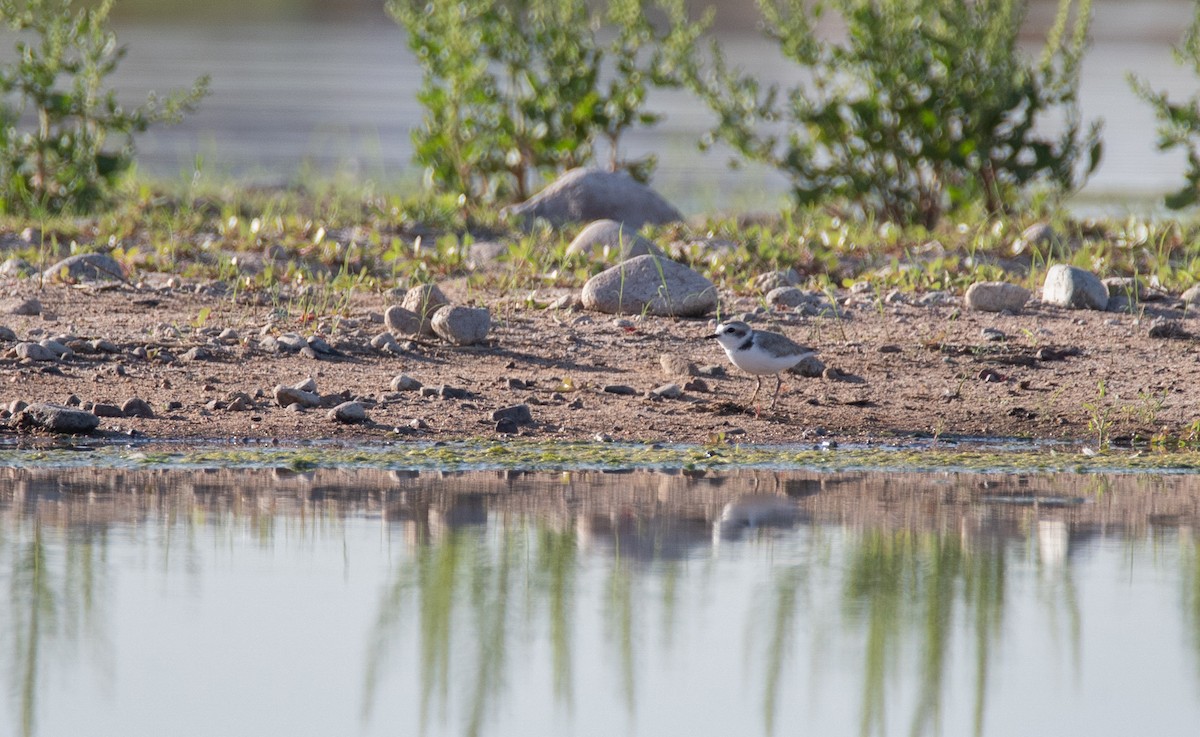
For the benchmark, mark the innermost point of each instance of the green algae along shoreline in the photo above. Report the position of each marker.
(982, 456)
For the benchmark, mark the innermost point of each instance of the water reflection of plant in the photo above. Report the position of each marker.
(53, 601)
(899, 581)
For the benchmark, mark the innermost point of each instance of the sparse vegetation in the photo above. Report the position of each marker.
(81, 141)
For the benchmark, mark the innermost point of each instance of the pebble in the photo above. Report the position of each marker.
(1038, 234)
(106, 410)
(240, 402)
(417, 423)
(993, 334)
(1168, 329)
(771, 280)
(54, 418)
(348, 413)
(792, 297)
(620, 389)
(462, 325)
(673, 365)
(667, 391)
(507, 426)
(136, 407)
(26, 307)
(34, 352)
(321, 347)
(229, 335)
(57, 347)
(385, 343)
(445, 391)
(712, 371)
(405, 383)
(696, 385)
(518, 413)
(7, 334)
(401, 321)
(996, 296)
(291, 342)
(286, 396)
(309, 384)
(809, 367)
(198, 353)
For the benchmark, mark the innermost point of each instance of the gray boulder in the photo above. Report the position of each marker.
(462, 325)
(996, 296)
(586, 194)
(85, 267)
(348, 413)
(285, 396)
(55, 418)
(34, 352)
(650, 285)
(604, 238)
(1075, 288)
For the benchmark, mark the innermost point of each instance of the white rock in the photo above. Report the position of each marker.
(462, 325)
(650, 285)
(996, 296)
(611, 240)
(1070, 286)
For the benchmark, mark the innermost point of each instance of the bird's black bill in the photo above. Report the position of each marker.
(712, 337)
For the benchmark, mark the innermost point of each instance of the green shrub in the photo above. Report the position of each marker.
(68, 160)
(922, 107)
(512, 89)
(1179, 123)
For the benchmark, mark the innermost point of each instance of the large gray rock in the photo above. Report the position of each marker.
(34, 352)
(605, 238)
(85, 267)
(1070, 286)
(583, 195)
(462, 325)
(55, 418)
(650, 285)
(996, 296)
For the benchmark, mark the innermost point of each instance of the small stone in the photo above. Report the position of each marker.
(286, 396)
(792, 297)
(1168, 329)
(228, 335)
(34, 352)
(673, 365)
(239, 402)
(385, 343)
(519, 414)
(174, 404)
(137, 407)
(405, 383)
(445, 391)
(320, 346)
(1038, 235)
(462, 325)
(53, 418)
(100, 345)
(996, 296)
(7, 334)
(1191, 295)
(401, 321)
(696, 385)
(772, 280)
(507, 426)
(1075, 288)
(611, 240)
(652, 286)
(712, 371)
(620, 389)
(667, 391)
(307, 385)
(106, 410)
(348, 413)
(26, 307)
(993, 334)
(291, 342)
(809, 367)
(417, 423)
(602, 437)
(57, 347)
(199, 353)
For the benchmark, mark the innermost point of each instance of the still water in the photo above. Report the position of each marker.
(368, 602)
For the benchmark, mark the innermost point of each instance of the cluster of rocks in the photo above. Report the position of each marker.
(425, 312)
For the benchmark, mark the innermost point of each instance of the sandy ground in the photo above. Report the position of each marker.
(906, 370)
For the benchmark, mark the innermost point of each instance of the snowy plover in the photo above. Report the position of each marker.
(759, 352)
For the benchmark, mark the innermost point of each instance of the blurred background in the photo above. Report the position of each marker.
(327, 87)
